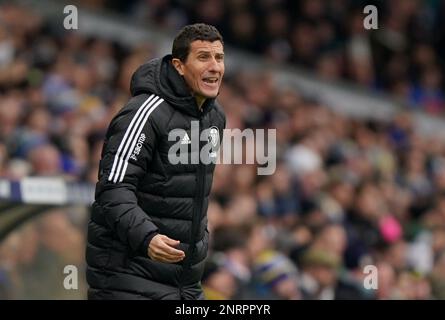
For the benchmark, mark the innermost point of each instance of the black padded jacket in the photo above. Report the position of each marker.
(141, 193)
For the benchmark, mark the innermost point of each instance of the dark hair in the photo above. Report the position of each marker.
(190, 33)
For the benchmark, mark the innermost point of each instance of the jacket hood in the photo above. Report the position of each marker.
(158, 76)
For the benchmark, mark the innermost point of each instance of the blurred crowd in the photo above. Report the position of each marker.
(36, 257)
(346, 193)
(404, 56)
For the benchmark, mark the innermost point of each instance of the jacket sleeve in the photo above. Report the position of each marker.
(126, 155)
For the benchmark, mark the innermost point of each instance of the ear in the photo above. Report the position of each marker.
(179, 66)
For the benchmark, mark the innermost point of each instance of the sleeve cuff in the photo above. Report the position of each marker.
(146, 242)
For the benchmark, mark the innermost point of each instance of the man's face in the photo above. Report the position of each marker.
(204, 68)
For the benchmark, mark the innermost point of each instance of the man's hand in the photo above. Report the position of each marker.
(161, 248)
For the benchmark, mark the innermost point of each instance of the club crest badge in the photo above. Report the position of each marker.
(214, 140)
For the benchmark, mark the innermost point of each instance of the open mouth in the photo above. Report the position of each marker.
(210, 80)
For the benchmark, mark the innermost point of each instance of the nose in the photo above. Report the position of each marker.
(215, 66)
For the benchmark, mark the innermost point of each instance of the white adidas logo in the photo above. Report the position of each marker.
(186, 139)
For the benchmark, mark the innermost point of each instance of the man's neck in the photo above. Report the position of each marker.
(200, 101)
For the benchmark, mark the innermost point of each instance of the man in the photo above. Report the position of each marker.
(147, 236)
